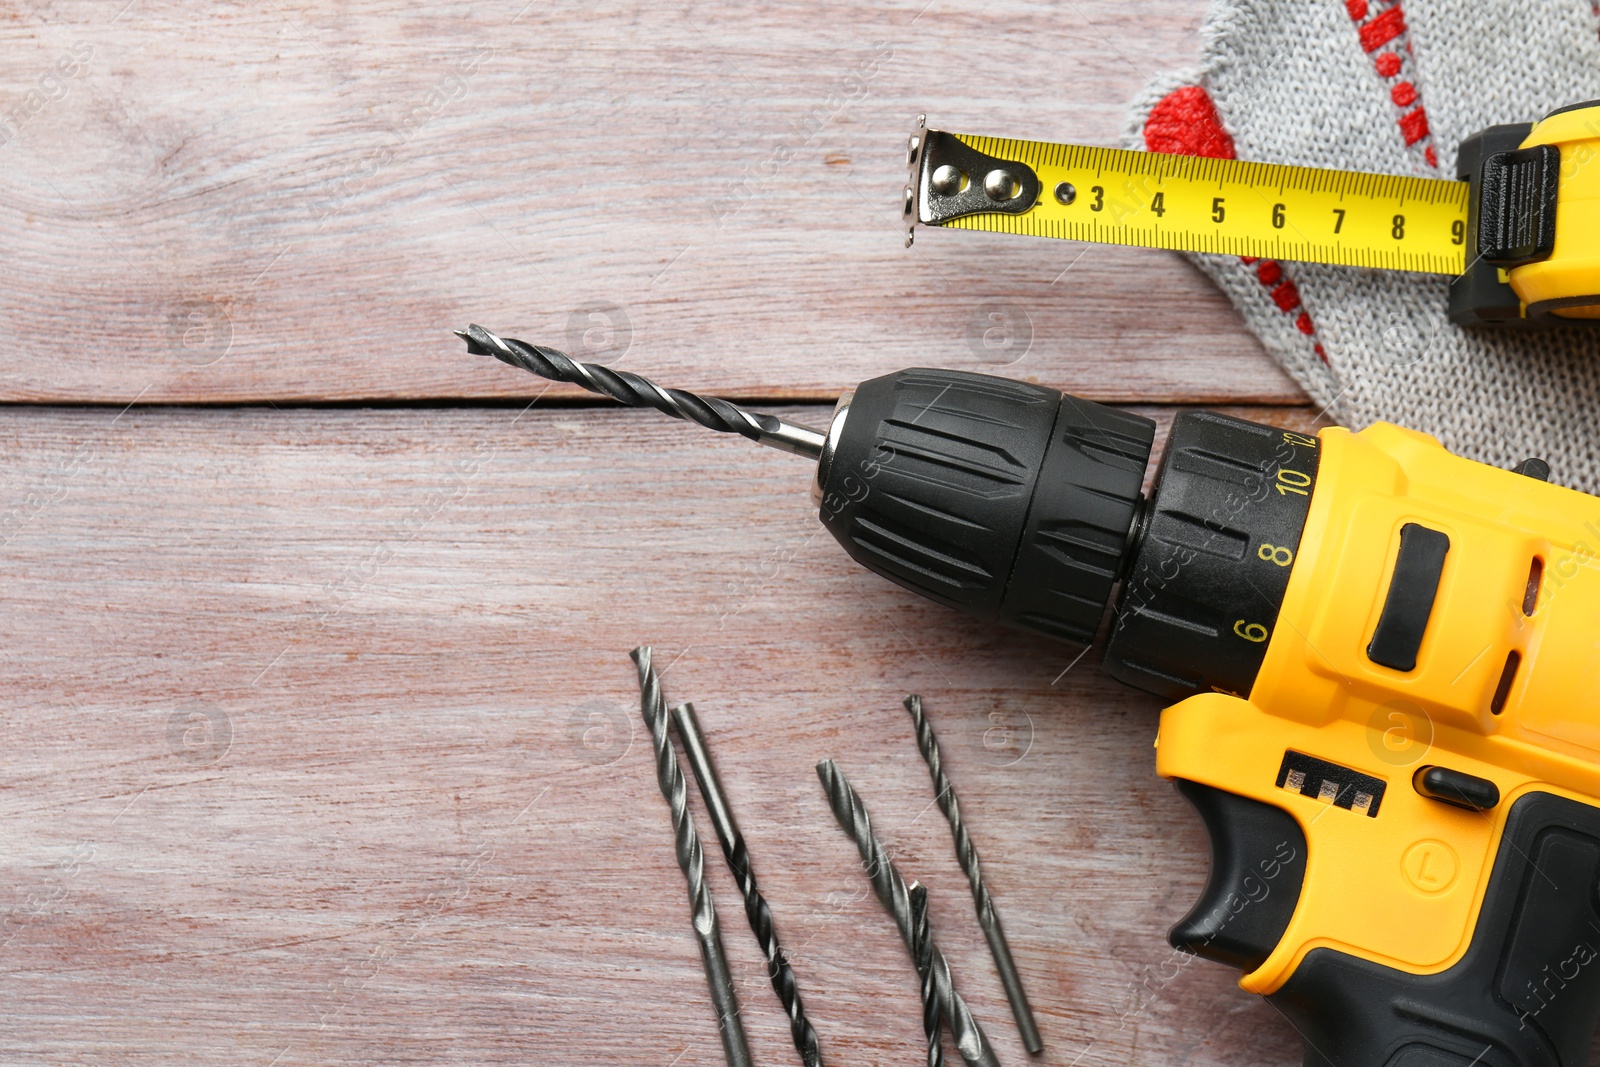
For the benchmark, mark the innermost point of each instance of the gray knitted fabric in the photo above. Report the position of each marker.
(1301, 81)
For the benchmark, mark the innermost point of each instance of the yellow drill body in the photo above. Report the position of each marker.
(1505, 688)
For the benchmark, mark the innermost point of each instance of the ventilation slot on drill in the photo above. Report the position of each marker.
(1530, 597)
(1507, 676)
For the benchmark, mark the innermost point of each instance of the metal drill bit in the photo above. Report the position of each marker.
(626, 388)
(653, 708)
(779, 973)
(893, 895)
(922, 954)
(967, 855)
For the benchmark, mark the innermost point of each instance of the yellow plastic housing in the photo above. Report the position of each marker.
(1403, 888)
(1573, 269)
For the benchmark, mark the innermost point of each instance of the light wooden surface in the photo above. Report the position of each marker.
(323, 747)
(249, 201)
(321, 743)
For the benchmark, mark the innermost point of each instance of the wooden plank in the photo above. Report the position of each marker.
(322, 748)
(295, 201)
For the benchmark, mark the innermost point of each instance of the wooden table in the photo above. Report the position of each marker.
(323, 745)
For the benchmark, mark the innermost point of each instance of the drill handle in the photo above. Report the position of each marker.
(1526, 993)
(1527, 990)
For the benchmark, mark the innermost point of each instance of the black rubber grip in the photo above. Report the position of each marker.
(1258, 861)
(1412, 589)
(1525, 994)
(1517, 205)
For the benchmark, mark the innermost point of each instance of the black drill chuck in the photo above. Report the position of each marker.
(1007, 500)
(1023, 505)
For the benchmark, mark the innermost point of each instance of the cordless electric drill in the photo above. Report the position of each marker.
(1381, 658)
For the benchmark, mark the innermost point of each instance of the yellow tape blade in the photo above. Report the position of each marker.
(1234, 207)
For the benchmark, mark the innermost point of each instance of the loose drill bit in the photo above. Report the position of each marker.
(631, 389)
(652, 707)
(755, 905)
(893, 895)
(967, 855)
(922, 954)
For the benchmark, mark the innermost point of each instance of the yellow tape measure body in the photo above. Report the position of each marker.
(1230, 206)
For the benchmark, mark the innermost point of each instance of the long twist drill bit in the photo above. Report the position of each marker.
(922, 954)
(670, 776)
(967, 856)
(779, 973)
(635, 391)
(893, 895)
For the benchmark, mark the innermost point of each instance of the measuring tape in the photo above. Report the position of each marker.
(1499, 222)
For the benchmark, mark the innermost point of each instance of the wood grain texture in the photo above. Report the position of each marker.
(322, 744)
(248, 201)
(322, 747)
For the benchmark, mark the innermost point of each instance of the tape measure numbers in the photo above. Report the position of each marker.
(1188, 203)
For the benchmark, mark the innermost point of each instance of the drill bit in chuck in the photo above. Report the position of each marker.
(670, 776)
(922, 955)
(892, 894)
(779, 973)
(635, 391)
(967, 856)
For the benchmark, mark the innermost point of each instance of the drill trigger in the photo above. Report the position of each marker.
(1258, 861)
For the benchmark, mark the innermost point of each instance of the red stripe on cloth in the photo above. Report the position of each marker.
(1414, 126)
(1185, 123)
(1383, 29)
(1286, 296)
